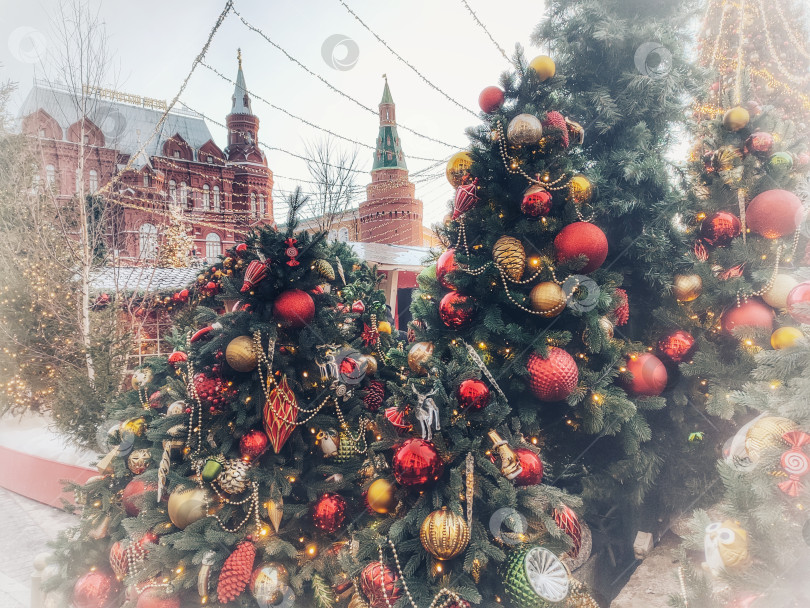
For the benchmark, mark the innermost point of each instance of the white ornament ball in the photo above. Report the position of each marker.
(776, 296)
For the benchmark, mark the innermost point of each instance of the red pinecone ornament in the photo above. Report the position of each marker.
(553, 378)
(621, 313)
(375, 393)
(236, 571)
(555, 125)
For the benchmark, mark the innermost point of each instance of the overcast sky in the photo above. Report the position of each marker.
(154, 44)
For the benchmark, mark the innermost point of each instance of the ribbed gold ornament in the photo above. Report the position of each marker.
(418, 356)
(764, 433)
(547, 298)
(357, 601)
(324, 269)
(241, 355)
(444, 534)
(509, 255)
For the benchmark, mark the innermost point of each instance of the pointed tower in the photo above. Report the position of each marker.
(253, 180)
(390, 214)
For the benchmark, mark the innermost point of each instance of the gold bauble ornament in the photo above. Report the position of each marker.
(606, 325)
(458, 167)
(580, 189)
(141, 378)
(548, 299)
(136, 426)
(384, 327)
(764, 433)
(269, 584)
(381, 496)
(544, 67)
(785, 337)
(776, 296)
(419, 355)
(444, 534)
(687, 287)
(241, 355)
(324, 269)
(371, 364)
(736, 118)
(510, 256)
(524, 130)
(187, 505)
(138, 461)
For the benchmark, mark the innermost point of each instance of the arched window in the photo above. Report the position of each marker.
(206, 203)
(213, 247)
(183, 193)
(262, 205)
(93, 181)
(253, 204)
(173, 190)
(332, 236)
(343, 235)
(50, 175)
(148, 242)
(216, 198)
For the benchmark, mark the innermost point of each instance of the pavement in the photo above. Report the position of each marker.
(26, 528)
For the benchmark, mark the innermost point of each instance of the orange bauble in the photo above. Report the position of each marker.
(649, 375)
(752, 313)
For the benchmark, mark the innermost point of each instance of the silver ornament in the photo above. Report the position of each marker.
(234, 476)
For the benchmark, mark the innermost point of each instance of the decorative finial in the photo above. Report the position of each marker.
(386, 77)
(239, 57)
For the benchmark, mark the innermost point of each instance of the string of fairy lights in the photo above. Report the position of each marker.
(480, 24)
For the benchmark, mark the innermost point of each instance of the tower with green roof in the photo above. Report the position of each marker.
(391, 214)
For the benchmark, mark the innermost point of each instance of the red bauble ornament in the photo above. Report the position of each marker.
(774, 213)
(456, 310)
(719, 229)
(416, 463)
(241, 249)
(294, 308)
(125, 555)
(568, 522)
(209, 389)
(466, 198)
(154, 597)
(329, 512)
(751, 313)
(94, 590)
(131, 496)
(183, 295)
(582, 238)
(444, 266)
(490, 99)
(472, 394)
(798, 298)
(677, 347)
(532, 468)
(177, 357)
(253, 444)
(373, 579)
(155, 400)
(553, 378)
(649, 375)
(536, 202)
(759, 143)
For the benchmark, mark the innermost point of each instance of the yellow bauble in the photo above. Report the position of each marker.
(381, 496)
(458, 167)
(687, 287)
(785, 337)
(444, 534)
(544, 67)
(580, 189)
(776, 296)
(136, 426)
(384, 327)
(419, 355)
(547, 298)
(510, 256)
(736, 118)
(371, 364)
(241, 355)
(764, 433)
(187, 505)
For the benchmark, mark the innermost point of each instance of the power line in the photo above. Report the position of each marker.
(332, 87)
(398, 56)
(486, 31)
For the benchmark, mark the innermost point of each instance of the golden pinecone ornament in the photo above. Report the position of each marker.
(510, 256)
(234, 476)
(579, 597)
(548, 299)
(324, 269)
(444, 534)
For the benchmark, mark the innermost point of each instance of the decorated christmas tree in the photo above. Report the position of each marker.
(236, 464)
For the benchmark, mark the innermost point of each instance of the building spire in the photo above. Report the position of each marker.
(386, 98)
(388, 154)
(240, 100)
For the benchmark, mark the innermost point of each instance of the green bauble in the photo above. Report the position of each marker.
(533, 577)
(212, 468)
(346, 449)
(780, 163)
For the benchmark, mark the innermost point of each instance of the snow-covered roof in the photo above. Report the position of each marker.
(399, 257)
(141, 279)
(125, 127)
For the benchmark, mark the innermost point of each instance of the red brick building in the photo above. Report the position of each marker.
(219, 193)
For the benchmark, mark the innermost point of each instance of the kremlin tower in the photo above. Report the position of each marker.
(390, 214)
